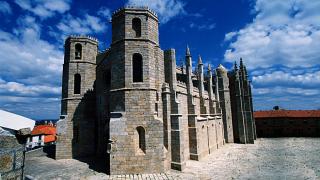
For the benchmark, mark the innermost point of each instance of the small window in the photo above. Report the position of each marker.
(77, 84)
(156, 108)
(78, 51)
(137, 71)
(136, 26)
(141, 138)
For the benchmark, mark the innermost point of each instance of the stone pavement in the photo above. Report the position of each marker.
(273, 158)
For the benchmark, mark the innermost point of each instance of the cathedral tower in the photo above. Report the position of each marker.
(137, 75)
(76, 128)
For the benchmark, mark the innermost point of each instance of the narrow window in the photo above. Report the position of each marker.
(136, 26)
(108, 78)
(142, 138)
(78, 51)
(156, 108)
(77, 84)
(137, 68)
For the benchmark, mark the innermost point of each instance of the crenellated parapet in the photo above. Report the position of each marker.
(82, 37)
(133, 7)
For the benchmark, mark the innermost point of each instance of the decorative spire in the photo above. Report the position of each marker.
(200, 61)
(241, 63)
(209, 67)
(235, 66)
(188, 51)
(221, 68)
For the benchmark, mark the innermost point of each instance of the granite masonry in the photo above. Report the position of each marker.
(133, 107)
(11, 156)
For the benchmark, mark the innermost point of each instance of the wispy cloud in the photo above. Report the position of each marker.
(19, 89)
(288, 79)
(44, 8)
(31, 66)
(87, 24)
(30, 70)
(200, 27)
(5, 7)
(104, 12)
(166, 9)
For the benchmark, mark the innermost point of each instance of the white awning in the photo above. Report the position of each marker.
(14, 121)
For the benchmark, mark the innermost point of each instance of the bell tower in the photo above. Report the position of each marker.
(76, 128)
(137, 75)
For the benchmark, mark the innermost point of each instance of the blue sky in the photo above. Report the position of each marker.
(279, 41)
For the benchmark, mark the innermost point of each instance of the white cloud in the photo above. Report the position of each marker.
(104, 12)
(285, 91)
(28, 59)
(229, 36)
(30, 71)
(166, 9)
(281, 49)
(85, 25)
(28, 90)
(300, 79)
(289, 88)
(283, 32)
(44, 8)
(200, 27)
(5, 7)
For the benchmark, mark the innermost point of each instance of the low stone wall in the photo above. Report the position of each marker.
(11, 157)
(35, 153)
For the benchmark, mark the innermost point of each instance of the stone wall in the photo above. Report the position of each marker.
(11, 156)
(202, 136)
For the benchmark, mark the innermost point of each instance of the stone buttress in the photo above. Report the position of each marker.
(224, 95)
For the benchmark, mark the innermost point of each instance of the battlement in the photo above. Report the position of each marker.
(82, 38)
(135, 8)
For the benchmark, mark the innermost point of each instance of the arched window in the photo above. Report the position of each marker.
(136, 26)
(77, 84)
(137, 70)
(142, 138)
(78, 51)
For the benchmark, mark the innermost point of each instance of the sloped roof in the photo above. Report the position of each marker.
(287, 113)
(44, 129)
(49, 138)
(14, 121)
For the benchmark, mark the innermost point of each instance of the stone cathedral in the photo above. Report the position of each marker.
(136, 110)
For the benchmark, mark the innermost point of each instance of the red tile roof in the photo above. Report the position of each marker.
(287, 113)
(44, 129)
(49, 138)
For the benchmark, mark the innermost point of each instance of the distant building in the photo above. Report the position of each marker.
(288, 123)
(41, 135)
